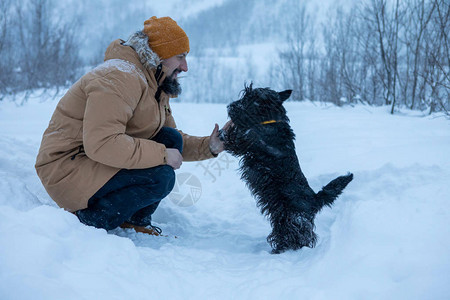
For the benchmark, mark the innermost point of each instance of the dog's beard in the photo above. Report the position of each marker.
(171, 86)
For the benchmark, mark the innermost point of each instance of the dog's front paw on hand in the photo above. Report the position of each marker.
(222, 135)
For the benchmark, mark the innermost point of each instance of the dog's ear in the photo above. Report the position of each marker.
(284, 95)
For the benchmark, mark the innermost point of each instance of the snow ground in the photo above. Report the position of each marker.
(386, 237)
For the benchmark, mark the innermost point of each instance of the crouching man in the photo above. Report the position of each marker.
(111, 147)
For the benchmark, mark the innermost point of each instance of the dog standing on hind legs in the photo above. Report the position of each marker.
(263, 139)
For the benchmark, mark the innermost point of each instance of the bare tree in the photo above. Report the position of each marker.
(293, 58)
(419, 14)
(438, 60)
(342, 70)
(329, 79)
(385, 24)
(5, 63)
(312, 56)
(38, 48)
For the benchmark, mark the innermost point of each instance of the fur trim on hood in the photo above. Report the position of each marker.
(139, 42)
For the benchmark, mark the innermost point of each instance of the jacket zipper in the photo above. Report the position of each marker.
(80, 151)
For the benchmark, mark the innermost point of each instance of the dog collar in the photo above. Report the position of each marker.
(268, 122)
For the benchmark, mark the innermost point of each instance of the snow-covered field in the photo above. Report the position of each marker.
(387, 236)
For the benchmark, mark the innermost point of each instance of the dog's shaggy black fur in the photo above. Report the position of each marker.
(263, 139)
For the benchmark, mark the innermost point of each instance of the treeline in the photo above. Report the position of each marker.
(38, 47)
(379, 52)
(237, 22)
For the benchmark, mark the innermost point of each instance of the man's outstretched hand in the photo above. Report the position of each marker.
(215, 144)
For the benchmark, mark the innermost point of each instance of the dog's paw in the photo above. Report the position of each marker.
(222, 135)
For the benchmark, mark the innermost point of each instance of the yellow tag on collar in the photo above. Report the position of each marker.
(268, 122)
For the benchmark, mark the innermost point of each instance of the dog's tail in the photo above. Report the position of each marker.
(331, 191)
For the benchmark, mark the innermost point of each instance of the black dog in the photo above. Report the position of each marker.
(262, 137)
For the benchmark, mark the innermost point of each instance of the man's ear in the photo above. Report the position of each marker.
(284, 95)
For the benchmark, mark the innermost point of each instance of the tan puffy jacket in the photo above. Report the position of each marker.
(104, 123)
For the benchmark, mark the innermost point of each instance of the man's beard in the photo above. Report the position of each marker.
(170, 86)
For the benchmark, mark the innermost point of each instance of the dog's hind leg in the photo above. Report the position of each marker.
(291, 232)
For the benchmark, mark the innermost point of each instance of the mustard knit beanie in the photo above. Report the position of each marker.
(165, 37)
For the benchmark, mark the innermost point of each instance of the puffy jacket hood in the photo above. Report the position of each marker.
(139, 42)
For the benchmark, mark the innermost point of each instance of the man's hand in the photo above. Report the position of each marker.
(174, 158)
(215, 144)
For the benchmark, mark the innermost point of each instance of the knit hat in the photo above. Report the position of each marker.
(165, 37)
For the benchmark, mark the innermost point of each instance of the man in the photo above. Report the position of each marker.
(111, 147)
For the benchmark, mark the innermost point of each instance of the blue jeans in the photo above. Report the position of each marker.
(132, 195)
